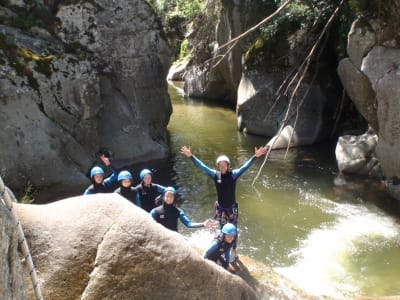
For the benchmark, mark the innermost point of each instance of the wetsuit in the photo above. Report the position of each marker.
(168, 215)
(219, 250)
(146, 195)
(127, 192)
(226, 207)
(105, 187)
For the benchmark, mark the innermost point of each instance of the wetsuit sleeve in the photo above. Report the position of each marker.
(213, 247)
(88, 191)
(113, 178)
(227, 255)
(237, 172)
(160, 188)
(153, 214)
(186, 221)
(198, 163)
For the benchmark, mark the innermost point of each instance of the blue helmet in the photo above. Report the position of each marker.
(144, 172)
(169, 189)
(124, 175)
(229, 229)
(96, 170)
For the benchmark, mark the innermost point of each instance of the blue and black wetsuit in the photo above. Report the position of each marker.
(226, 207)
(168, 215)
(127, 192)
(219, 251)
(146, 196)
(107, 186)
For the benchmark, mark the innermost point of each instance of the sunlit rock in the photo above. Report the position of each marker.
(103, 247)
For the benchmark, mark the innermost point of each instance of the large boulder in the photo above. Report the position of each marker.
(11, 273)
(261, 112)
(356, 155)
(104, 247)
(95, 79)
(373, 87)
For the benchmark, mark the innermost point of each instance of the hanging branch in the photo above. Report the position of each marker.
(235, 40)
(302, 73)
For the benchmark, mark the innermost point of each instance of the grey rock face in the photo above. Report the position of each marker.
(59, 108)
(373, 86)
(356, 155)
(104, 247)
(11, 272)
(260, 112)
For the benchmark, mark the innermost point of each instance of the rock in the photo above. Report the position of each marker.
(388, 95)
(104, 247)
(378, 62)
(261, 113)
(360, 41)
(356, 155)
(100, 85)
(359, 89)
(11, 272)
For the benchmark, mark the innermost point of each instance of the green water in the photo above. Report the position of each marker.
(330, 239)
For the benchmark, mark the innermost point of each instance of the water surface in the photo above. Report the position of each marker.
(332, 239)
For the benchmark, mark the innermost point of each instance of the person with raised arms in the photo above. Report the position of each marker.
(226, 207)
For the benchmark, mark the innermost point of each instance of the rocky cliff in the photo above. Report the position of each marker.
(77, 76)
(371, 77)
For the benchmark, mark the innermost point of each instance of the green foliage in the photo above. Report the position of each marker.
(28, 194)
(34, 13)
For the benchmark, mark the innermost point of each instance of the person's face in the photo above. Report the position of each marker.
(223, 167)
(169, 197)
(126, 183)
(229, 238)
(98, 178)
(147, 179)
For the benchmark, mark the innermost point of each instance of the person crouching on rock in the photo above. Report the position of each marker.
(168, 214)
(99, 184)
(220, 249)
(126, 189)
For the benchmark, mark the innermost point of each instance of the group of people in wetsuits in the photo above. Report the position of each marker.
(159, 201)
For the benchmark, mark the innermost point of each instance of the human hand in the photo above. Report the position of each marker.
(210, 224)
(260, 151)
(186, 151)
(231, 268)
(105, 160)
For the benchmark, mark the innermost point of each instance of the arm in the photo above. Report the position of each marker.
(198, 163)
(214, 246)
(153, 214)
(138, 203)
(160, 188)
(227, 255)
(113, 178)
(187, 222)
(88, 191)
(257, 153)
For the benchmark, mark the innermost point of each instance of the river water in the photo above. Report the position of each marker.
(334, 239)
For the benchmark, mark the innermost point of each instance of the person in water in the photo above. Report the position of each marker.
(126, 189)
(226, 207)
(220, 249)
(148, 193)
(99, 184)
(168, 214)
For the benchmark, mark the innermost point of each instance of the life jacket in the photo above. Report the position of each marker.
(148, 195)
(225, 185)
(129, 193)
(167, 215)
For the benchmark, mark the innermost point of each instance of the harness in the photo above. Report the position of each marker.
(226, 214)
